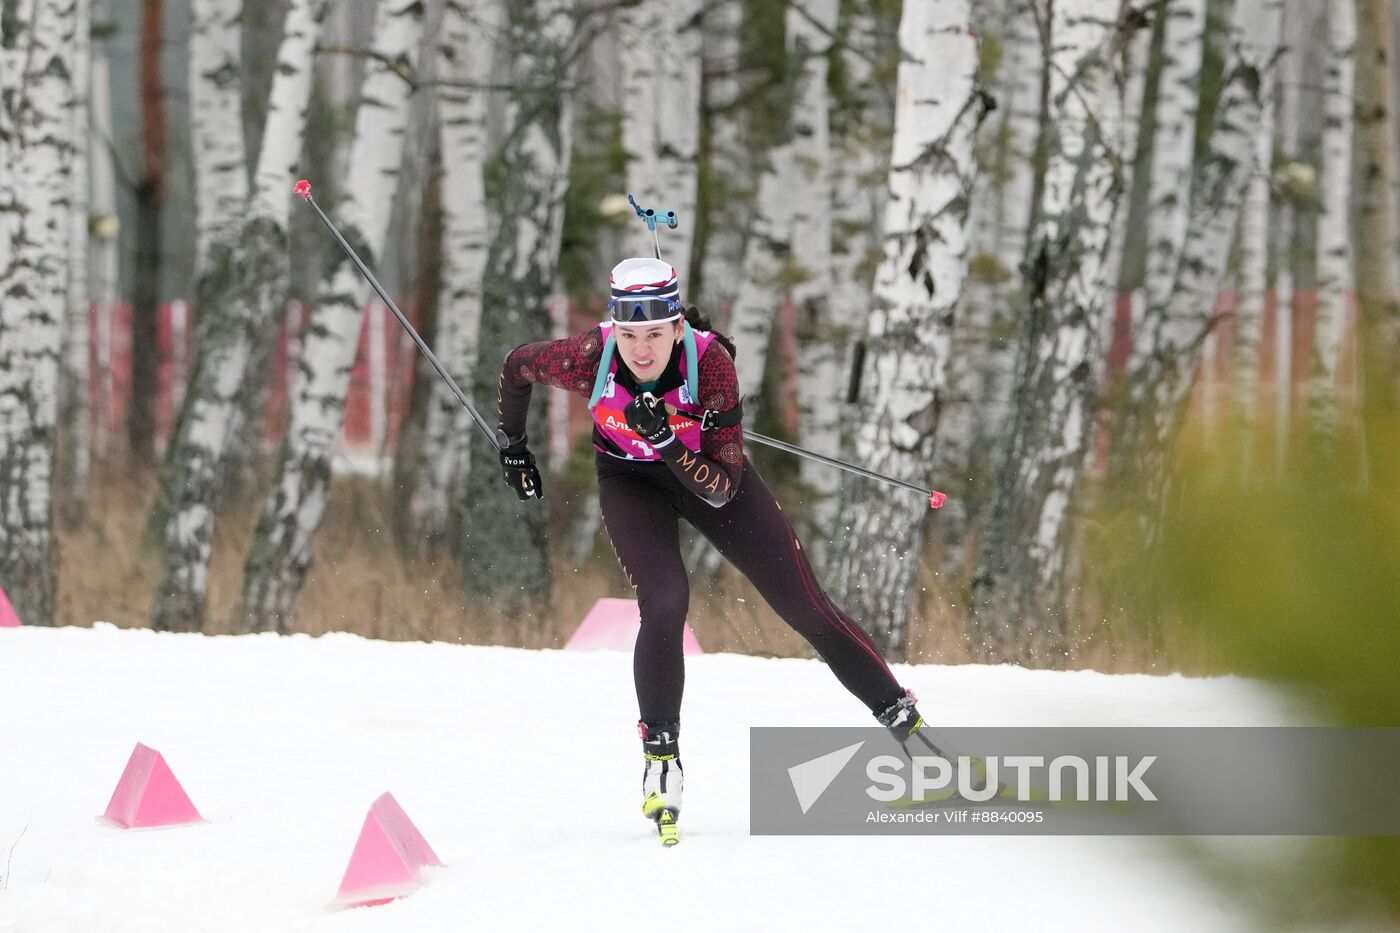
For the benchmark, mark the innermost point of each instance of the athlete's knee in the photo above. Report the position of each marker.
(666, 606)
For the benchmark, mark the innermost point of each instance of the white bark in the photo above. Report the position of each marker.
(1334, 273)
(464, 55)
(216, 118)
(74, 439)
(781, 254)
(916, 289)
(982, 370)
(35, 212)
(281, 552)
(1254, 251)
(243, 292)
(1178, 99)
(660, 47)
(1167, 352)
(1017, 592)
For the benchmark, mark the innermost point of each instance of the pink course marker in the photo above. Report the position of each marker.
(149, 795)
(613, 624)
(388, 859)
(8, 617)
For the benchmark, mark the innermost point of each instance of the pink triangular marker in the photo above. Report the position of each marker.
(613, 624)
(8, 617)
(149, 795)
(387, 859)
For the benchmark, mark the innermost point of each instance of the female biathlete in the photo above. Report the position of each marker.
(669, 445)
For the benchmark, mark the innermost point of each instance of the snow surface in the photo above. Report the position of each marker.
(522, 769)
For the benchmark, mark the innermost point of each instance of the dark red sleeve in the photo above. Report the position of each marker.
(713, 473)
(571, 363)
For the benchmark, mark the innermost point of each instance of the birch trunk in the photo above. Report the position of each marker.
(1018, 588)
(280, 555)
(35, 212)
(465, 55)
(661, 58)
(221, 190)
(1285, 230)
(504, 543)
(819, 348)
(1378, 239)
(910, 329)
(243, 290)
(772, 264)
(859, 169)
(1334, 276)
(1178, 99)
(1167, 352)
(105, 228)
(74, 446)
(982, 369)
(1254, 253)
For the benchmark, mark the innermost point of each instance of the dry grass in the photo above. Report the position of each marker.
(360, 583)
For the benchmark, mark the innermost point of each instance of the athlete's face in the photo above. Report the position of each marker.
(647, 348)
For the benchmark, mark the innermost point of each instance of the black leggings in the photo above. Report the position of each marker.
(641, 502)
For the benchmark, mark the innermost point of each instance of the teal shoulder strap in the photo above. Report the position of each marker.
(692, 362)
(604, 365)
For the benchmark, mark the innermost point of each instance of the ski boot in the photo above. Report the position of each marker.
(662, 778)
(904, 722)
(907, 726)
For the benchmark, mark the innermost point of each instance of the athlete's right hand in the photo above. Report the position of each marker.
(518, 467)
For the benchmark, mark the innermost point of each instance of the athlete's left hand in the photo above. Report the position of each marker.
(646, 415)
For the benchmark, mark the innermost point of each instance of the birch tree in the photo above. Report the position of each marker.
(36, 151)
(661, 43)
(909, 334)
(786, 246)
(1254, 248)
(982, 368)
(105, 228)
(1175, 325)
(221, 190)
(504, 549)
(1018, 588)
(74, 440)
(858, 166)
(1377, 281)
(1334, 221)
(465, 59)
(243, 289)
(1285, 230)
(280, 554)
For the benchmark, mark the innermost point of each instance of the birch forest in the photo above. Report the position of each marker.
(1120, 277)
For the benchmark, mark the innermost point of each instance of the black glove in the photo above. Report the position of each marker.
(518, 467)
(646, 414)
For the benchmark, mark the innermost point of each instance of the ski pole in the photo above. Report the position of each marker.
(303, 188)
(935, 498)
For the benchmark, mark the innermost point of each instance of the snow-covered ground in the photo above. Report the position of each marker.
(522, 769)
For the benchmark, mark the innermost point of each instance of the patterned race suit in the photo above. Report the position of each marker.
(705, 479)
